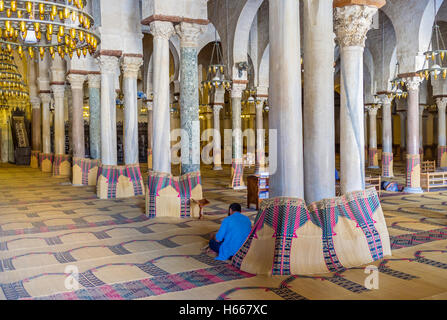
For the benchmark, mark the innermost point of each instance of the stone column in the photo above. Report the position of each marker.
(318, 112)
(36, 124)
(131, 65)
(4, 136)
(351, 25)
(46, 136)
(373, 162)
(59, 123)
(413, 182)
(285, 95)
(421, 131)
(109, 66)
(365, 129)
(189, 96)
(217, 146)
(150, 125)
(161, 152)
(442, 143)
(77, 91)
(403, 131)
(237, 171)
(94, 86)
(387, 137)
(260, 138)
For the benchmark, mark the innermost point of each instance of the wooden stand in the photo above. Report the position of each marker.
(428, 166)
(433, 180)
(255, 186)
(374, 182)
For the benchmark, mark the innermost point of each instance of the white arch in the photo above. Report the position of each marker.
(263, 78)
(242, 33)
(207, 37)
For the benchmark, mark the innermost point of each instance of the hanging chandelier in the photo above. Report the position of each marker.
(216, 70)
(40, 26)
(12, 86)
(434, 59)
(398, 87)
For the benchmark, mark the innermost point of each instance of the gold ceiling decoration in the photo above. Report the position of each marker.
(39, 26)
(13, 90)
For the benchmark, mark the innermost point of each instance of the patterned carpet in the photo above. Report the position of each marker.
(46, 225)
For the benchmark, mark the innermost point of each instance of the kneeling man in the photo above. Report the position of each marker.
(232, 234)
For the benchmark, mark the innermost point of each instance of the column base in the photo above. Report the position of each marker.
(62, 166)
(117, 182)
(34, 163)
(217, 168)
(413, 179)
(442, 156)
(170, 196)
(373, 157)
(237, 175)
(46, 162)
(85, 172)
(387, 165)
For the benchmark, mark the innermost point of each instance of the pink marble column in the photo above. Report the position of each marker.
(77, 89)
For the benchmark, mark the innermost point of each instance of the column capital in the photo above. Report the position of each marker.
(189, 33)
(108, 64)
(131, 66)
(372, 110)
(413, 83)
(351, 24)
(237, 89)
(385, 100)
(76, 80)
(441, 104)
(217, 108)
(162, 29)
(58, 90)
(94, 81)
(422, 109)
(45, 98)
(35, 102)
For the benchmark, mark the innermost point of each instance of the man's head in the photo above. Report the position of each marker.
(235, 207)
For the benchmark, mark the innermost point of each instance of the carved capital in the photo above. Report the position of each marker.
(385, 100)
(76, 81)
(45, 98)
(237, 89)
(372, 110)
(131, 66)
(35, 102)
(422, 109)
(162, 29)
(413, 83)
(94, 81)
(58, 91)
(216, 109)
(109, 64)
(351, 24)
(442, 104)
(189, 33)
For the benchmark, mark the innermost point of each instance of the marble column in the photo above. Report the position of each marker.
(36, 124)
(413, 176)
(161, 152)
(421, 131)
(109, 66)
(131, 65)
(373, 162)
(387, 137)
(442, 143)
(403, 132)
(59, 120)
(94, 86)
(351, 25)
(318, 109)
(4, 136)
(260, 138)
(189, 96)
(286, 164)
(365, 129)
(150, 125)
(45, 98)
(237, 173)
(77, 91)
(217, 139)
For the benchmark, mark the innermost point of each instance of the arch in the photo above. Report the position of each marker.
(242, 33)
(207, 37)
(263, 77)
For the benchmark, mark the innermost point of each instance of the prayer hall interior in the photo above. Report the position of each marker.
(128, 127)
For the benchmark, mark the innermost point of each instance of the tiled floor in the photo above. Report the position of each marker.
(46, 225)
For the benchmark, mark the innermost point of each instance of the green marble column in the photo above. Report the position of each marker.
(94, 84)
